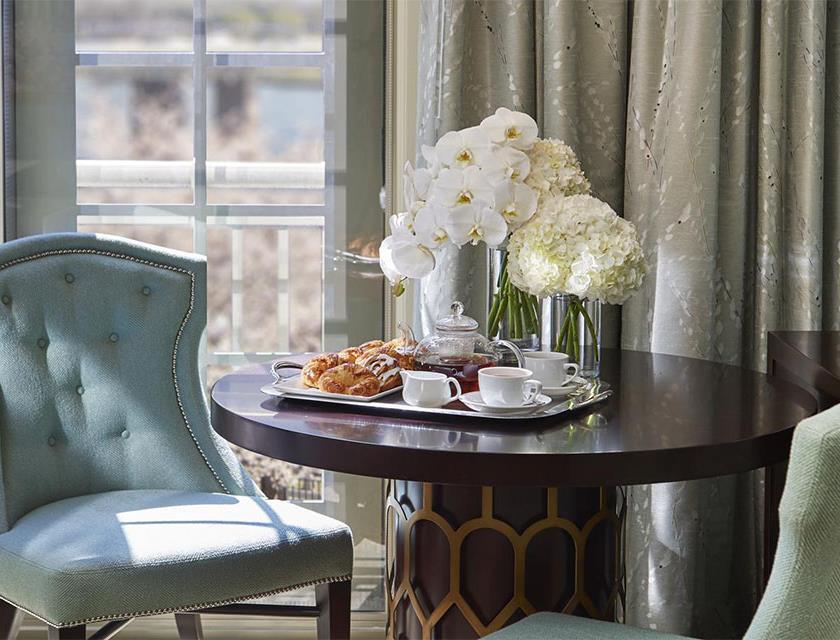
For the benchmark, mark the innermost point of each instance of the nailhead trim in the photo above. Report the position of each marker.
(159, 265)
(192, 607)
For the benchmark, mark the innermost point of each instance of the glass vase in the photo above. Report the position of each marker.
(516, 314)
(573, 326)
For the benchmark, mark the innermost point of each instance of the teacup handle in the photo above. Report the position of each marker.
(575, 369)
(530, 390)
(457, 386)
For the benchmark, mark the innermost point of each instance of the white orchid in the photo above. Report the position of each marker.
(472, 223)
(416, 183)
(455, 187)
(512, 128)
(515, 202)
(401, 255)
(463, 148)
(506, 163)
(430, 225)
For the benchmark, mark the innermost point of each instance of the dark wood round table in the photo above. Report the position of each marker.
(489, 521)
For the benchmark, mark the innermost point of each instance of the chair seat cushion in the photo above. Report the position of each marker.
(558, 626)
(129, 553)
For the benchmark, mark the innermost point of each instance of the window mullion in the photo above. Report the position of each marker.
(200, 123)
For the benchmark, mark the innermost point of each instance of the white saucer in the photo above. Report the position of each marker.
(473, 401)
(566, 389)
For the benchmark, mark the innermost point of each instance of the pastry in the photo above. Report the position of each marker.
(371, 344)
(385, 367)
(403, 356)
(315, 368)
(349, 379)
(350, 354)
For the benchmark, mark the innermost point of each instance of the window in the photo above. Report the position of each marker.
(228, 128)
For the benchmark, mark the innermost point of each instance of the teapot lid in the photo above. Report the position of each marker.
(456, 321)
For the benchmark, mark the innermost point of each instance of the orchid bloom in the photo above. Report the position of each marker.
(473, 223)
(463, 148)
(516, 163)
(511, 127)
(430, 225)
(401, 255)
(456, 187)
(416, 183)
(515, 201)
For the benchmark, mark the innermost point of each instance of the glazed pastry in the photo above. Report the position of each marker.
(403, 356)
(384, 367)
(315, 368)
(350, 354)
(349, 379)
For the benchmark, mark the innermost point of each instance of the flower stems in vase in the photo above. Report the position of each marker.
(518, 309)
(567, 339)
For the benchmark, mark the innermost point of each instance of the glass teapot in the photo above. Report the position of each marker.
(458, 350)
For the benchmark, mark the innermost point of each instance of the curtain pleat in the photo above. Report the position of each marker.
(715, 127)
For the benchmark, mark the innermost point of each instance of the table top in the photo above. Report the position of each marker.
(670, 418)
(812, 356)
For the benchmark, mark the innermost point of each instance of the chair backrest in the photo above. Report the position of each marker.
(802, 599)
(99, 380)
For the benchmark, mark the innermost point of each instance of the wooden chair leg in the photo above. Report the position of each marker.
(67, 633)
(333, 600)
(10, 619)
(189, 626)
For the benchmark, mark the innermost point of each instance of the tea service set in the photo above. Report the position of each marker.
(454, 362)
(458, 363)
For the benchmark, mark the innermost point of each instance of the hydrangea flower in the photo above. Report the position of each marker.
(576, 245)
(555, 170)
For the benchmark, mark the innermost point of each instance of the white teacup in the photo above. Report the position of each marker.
(551, 368)
(428, 388)
(507, 386)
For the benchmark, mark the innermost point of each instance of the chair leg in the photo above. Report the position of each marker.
(10, 619)
(66, 633)
(189, 626)
(333, 600)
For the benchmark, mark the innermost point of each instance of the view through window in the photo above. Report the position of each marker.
(228, 128)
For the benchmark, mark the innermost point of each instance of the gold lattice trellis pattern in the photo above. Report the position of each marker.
(414, 612)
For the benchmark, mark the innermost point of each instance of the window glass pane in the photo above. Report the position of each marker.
(173, 236)
(265, 136)
(267, 287)
(132, 25)
(134, 135)
(265, 25)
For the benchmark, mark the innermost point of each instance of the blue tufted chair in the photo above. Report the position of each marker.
(117, 499)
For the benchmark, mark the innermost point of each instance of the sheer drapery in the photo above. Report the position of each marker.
(714, 127)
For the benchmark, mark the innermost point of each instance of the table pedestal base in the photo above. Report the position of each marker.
(465, 561)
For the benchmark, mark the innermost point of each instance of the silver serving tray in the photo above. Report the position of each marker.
(589, 394)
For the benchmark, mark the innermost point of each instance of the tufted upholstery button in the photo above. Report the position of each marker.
(113, 337)
(51, 441)
(69, 277)
(146, 291)
(6, 299)
(125, 434)
(80, 389)
(42, 343)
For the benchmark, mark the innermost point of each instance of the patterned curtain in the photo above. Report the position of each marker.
(715, 127)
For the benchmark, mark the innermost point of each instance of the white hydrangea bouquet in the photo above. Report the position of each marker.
(499, 183)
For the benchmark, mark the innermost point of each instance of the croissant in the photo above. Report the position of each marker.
(384, 367)
(315, 368)
(349, 379)
(350, 354)
(370, 344)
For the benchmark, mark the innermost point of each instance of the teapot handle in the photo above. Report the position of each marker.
(520, 359)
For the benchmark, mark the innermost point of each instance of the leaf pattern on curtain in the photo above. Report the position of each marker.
(715, 127)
